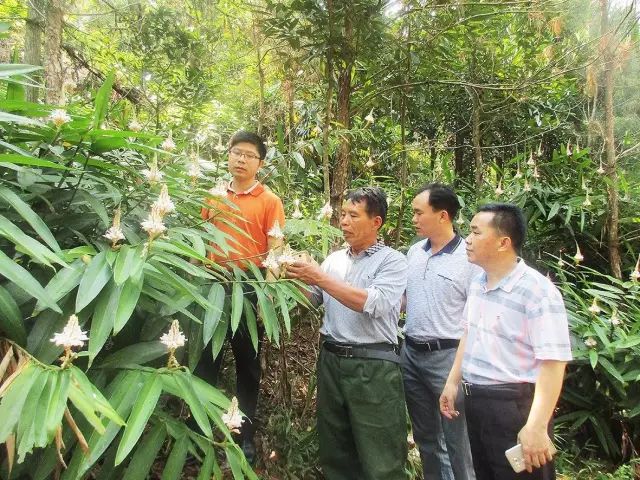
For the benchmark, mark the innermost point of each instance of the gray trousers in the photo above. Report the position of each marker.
(443, 443)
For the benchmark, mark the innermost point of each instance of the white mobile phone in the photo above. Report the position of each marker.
(516, 458)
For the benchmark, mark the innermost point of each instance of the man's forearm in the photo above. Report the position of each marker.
(455, 374)
(548, 387)
(351, 297)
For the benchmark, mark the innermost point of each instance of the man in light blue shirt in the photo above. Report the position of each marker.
(512, 357)
(362, 425)
(437, 288)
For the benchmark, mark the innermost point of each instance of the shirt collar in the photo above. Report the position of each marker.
(448, 248)
(379, 245)
(508, 282)
(255, 190)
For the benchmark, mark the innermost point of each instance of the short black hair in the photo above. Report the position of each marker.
(374, 198)
(441, 197)
(242, 136)
(508, 220)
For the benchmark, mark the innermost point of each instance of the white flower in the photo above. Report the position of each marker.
(200, 138)
(135, 126)
(518, 174)
(317, 130)
(232, 419)
(615, 319)
(560, 263)
(114, 233)
(527, 187)
(569, 150)
(59, 117)
(535, 172)
(286, 257)
(271, 262)
(206, 164)
(71, 335)
(531, 162)
(168, 144)
(584, 184)
(460, 219)
(370, 163)
(219, 191)
(595, 308)
(578, 257)
(587, 202)
(153, 174)
(540, 149)
(590, 342)
(220, 147)
(275, 231)
(635, 275)
(499, 190)
(600, 169)
(369, 118)
(325, 212)
(174, 338)
(164, 204)
(153, 224)
(194, 171)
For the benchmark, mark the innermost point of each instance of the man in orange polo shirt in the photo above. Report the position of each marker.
(257, 212)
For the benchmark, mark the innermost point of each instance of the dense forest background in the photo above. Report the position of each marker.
(110, 106)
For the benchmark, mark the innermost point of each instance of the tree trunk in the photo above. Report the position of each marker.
(261, 108)
(404, 169)
(53, 71)
(33, 42)
(328, 107)
(476, 135)
(341, 171)
(613, 210)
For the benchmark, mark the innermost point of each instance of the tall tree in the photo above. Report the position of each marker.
(53, 69)
(34, 26)
(613, 207)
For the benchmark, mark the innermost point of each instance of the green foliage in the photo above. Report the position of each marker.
(61, 185)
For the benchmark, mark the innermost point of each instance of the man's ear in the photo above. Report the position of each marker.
(505, 244)
(377, 222)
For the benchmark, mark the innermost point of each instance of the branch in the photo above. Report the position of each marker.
(132, 94)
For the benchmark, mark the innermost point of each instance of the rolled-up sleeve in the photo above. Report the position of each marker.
(389, 282)
(316, 296)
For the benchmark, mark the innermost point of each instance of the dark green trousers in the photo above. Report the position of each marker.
(362, 423)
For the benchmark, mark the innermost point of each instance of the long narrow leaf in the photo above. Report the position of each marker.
(93, 281)
(31, 217)
(14, 399)
(103, 319)
(212, 315)
(139, 416)
(21, 277)
(146, 453)
(177, 457)
(11, 324)
(62, 283)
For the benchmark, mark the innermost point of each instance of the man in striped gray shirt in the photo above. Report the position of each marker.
(437, 287)
(362, 422)
(513, 354)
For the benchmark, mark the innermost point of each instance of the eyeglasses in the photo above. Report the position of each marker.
(235, 153)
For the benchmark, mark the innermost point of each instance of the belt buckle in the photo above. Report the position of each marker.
(466, 388)
(347, 351)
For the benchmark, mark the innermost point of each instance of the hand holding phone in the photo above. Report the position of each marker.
(515, 457)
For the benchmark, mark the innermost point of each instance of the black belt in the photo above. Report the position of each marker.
(432, 345)
(502, 390)
(378, 351)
